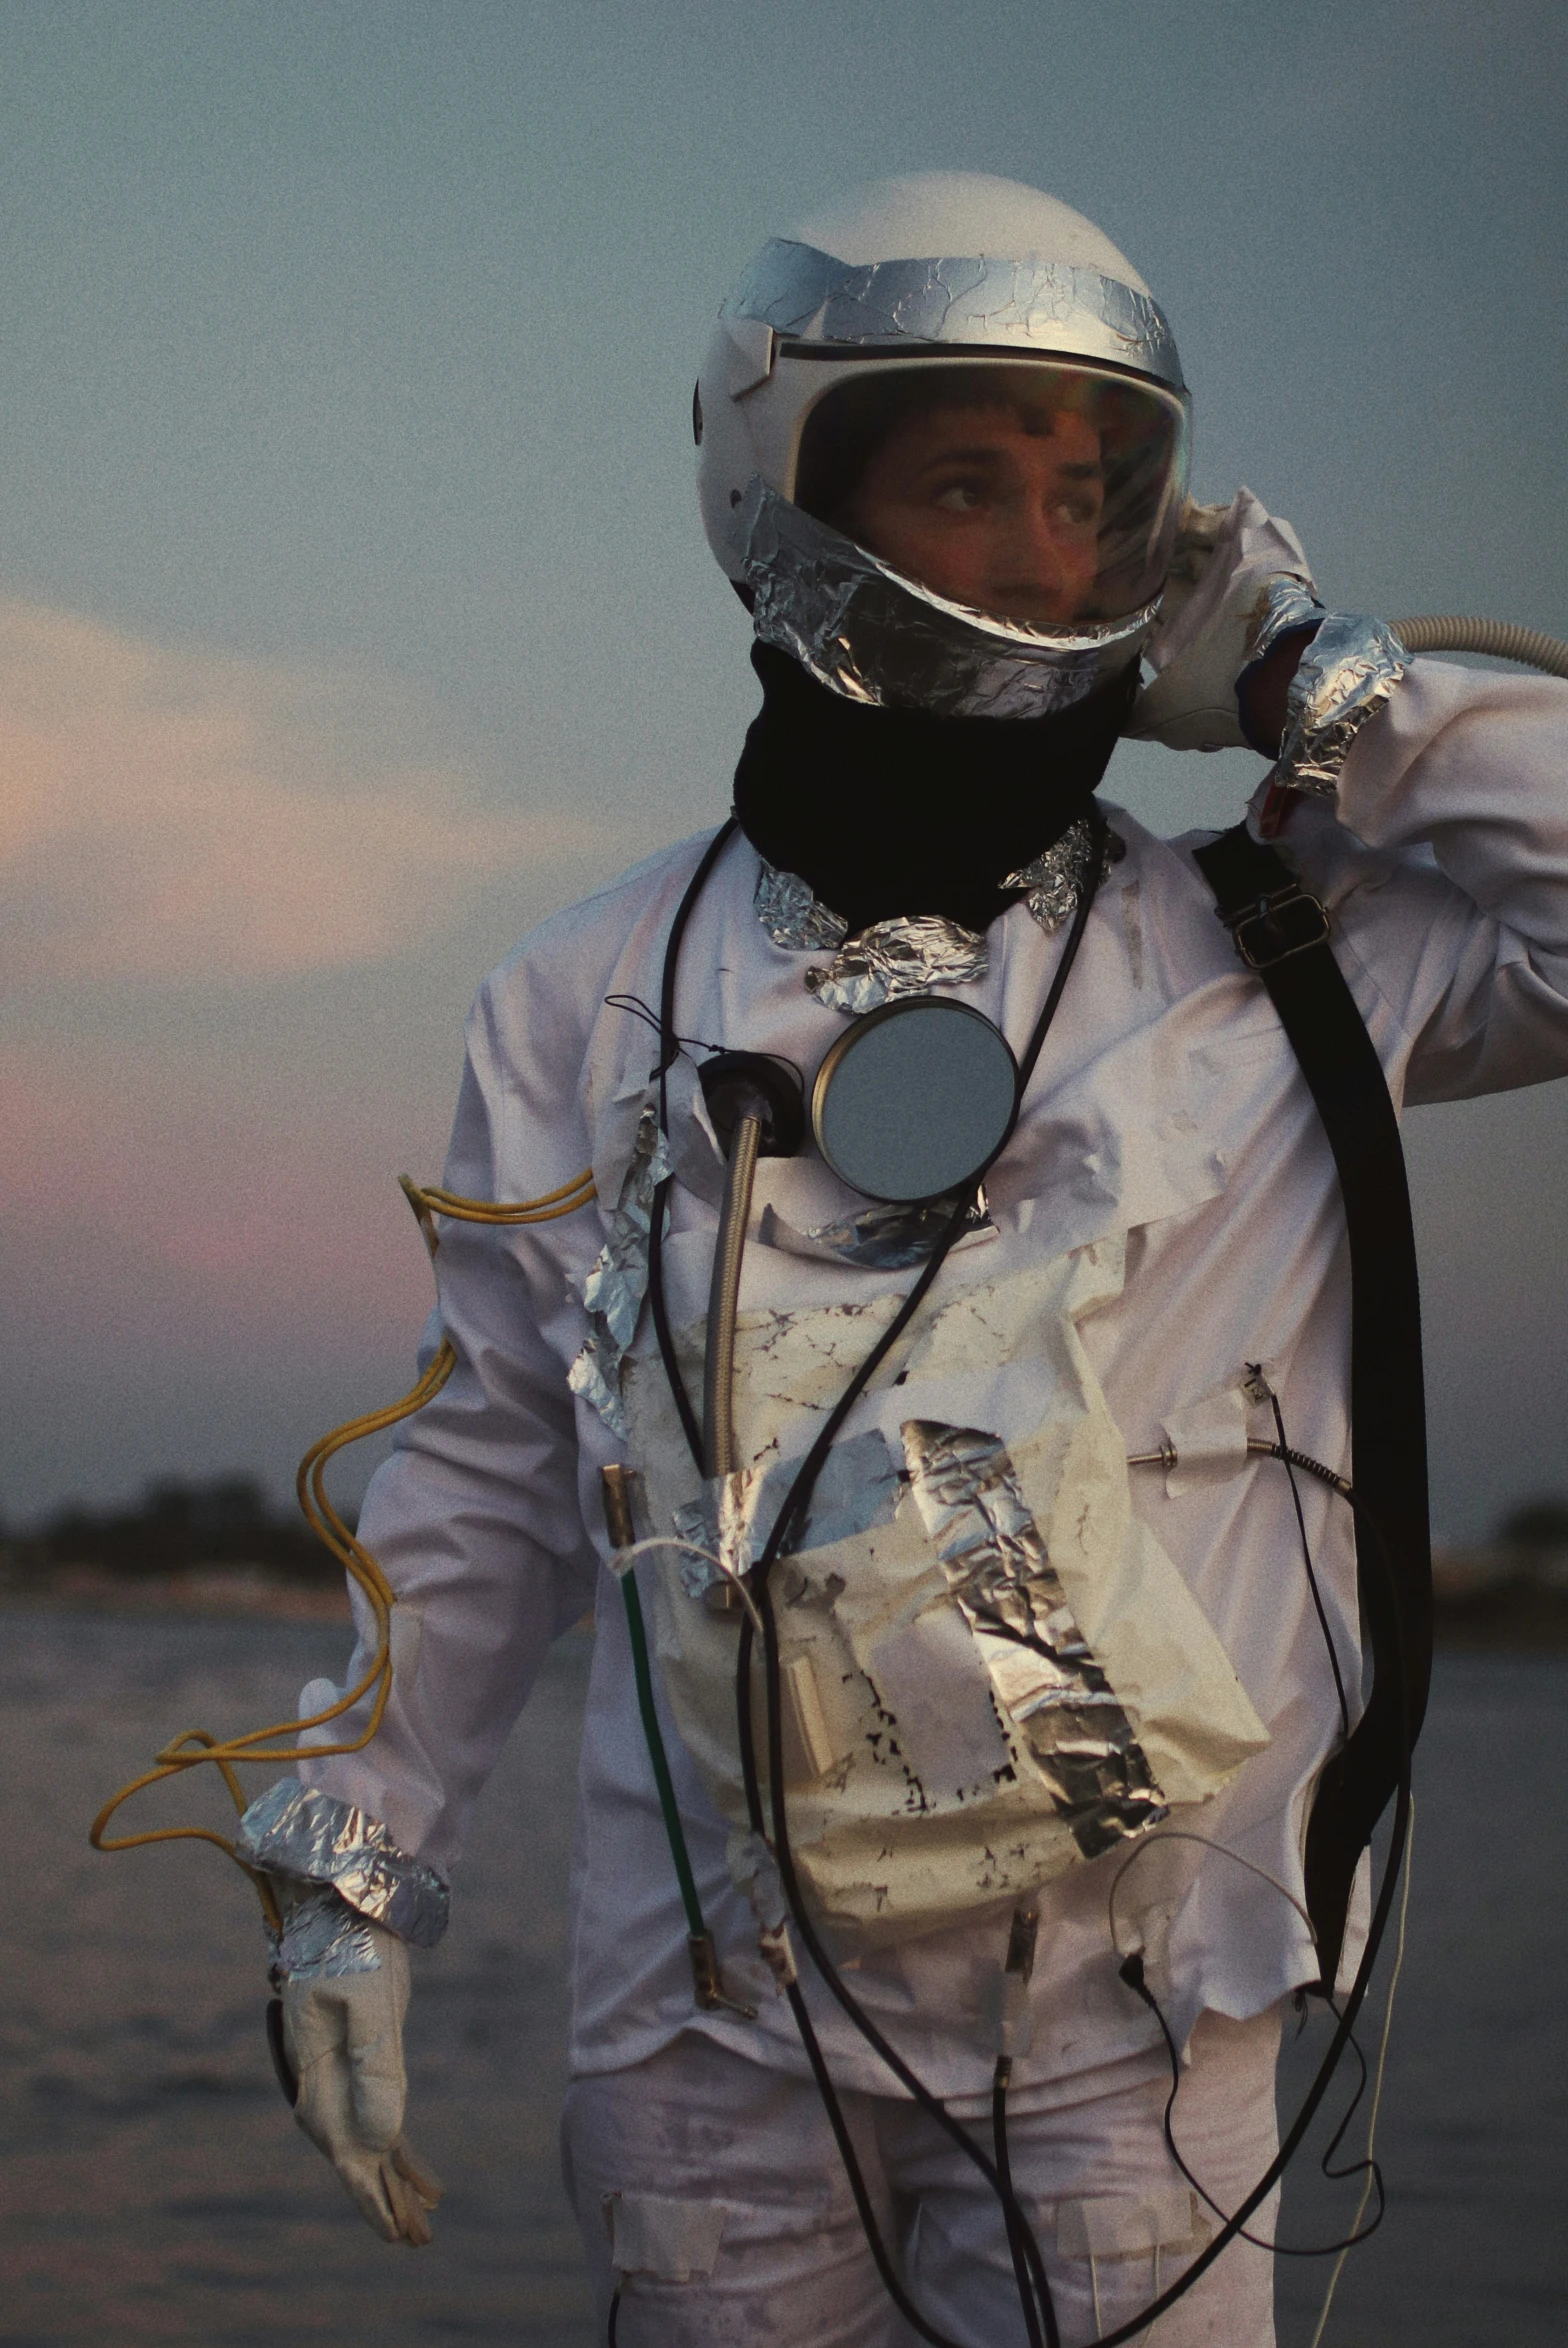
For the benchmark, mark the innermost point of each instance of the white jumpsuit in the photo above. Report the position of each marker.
(1166, 1121)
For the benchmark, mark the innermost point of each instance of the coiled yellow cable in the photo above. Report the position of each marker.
(195, 1748)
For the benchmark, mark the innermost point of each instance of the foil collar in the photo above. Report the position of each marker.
(792, 916)
(911, 954)
(1055, 879)
(614, 1289)
(905, 956)
(868, 633)
(858, 1489)
(297, 1831)
(323, 1938)
(1014, 305)
(1344, 677)
(1042, 1672)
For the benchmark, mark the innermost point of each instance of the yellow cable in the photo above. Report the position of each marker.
(194, 1748)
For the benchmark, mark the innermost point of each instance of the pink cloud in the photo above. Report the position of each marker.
(181, 815)
(148, 1210)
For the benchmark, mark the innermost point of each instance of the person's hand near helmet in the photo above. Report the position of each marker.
(1227, 559)
(343, 2034)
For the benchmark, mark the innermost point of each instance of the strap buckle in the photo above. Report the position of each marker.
(1275, 926)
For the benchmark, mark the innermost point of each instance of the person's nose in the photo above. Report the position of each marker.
(1033, 551)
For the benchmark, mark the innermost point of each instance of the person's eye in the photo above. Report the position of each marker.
(1077, 512)
(960, 497)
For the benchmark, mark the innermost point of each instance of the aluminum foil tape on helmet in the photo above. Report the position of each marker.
(941, 289)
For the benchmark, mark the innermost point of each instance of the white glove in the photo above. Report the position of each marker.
(1226, 558)
(344, 2036)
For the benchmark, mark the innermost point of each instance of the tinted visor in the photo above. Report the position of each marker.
(1098, 458)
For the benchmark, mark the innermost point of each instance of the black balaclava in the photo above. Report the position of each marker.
(895, 811)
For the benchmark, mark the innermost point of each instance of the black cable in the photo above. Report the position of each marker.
(663, 1334)
(1004, 2170)
(669, 1053)
(638, 1009)
(1353, 2003)
(1371, 2164)
(856, 2176)
(612, 2328)
(1289, 1459)
(929, 2103)
(1133, 1975)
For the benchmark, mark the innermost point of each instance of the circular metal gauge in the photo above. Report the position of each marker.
(915, 1100)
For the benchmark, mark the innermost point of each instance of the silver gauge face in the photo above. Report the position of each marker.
(914, 1100)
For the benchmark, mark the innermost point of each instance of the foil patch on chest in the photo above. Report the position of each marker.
(1040, 1665)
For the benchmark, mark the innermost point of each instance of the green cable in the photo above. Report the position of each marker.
(656, 1754)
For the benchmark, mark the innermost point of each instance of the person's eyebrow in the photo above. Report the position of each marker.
(984, 453)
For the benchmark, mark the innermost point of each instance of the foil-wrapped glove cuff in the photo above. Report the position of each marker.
(322, 1938)
(1345, 675)
(295, 1831)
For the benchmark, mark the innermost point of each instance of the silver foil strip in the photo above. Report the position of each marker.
(1042, 1671)
(867, 632)
(858, 1489)
(910, 955)
(297, 1831)
(1015, 305)
(1290, 603)
(614, 1289)
(1055, 878)
(892, 959)
(892, 1238)
(1344, 677)
(322, 1937)
(792, 916)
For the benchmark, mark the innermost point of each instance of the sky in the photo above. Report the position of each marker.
(355, 613)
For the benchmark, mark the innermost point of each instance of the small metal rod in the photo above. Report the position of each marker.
(720, 1456)
(1166, 1457)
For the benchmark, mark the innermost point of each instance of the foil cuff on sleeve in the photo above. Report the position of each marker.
(1290, 603)
(323, 1937)
(297, 1831)
(1344, 677)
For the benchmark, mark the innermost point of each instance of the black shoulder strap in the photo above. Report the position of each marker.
(1282, 933)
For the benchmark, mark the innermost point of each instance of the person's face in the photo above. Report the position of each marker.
(994, 507)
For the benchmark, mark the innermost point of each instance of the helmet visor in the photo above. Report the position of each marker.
(1039, 490)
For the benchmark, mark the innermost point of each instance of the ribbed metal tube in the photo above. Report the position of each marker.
(720, 1457)
(1447, 632)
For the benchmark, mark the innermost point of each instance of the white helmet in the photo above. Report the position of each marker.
(937, 271)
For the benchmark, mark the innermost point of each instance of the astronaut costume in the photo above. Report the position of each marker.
(1157, 1260)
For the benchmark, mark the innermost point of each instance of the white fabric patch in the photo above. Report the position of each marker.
(931, 1678)
(404, 1639)
(674, 2241)
(1128, 2228)
(1209, 1439)
(810, 1747)
(319, 1695)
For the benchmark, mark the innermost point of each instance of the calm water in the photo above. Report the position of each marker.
(156, 2190)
